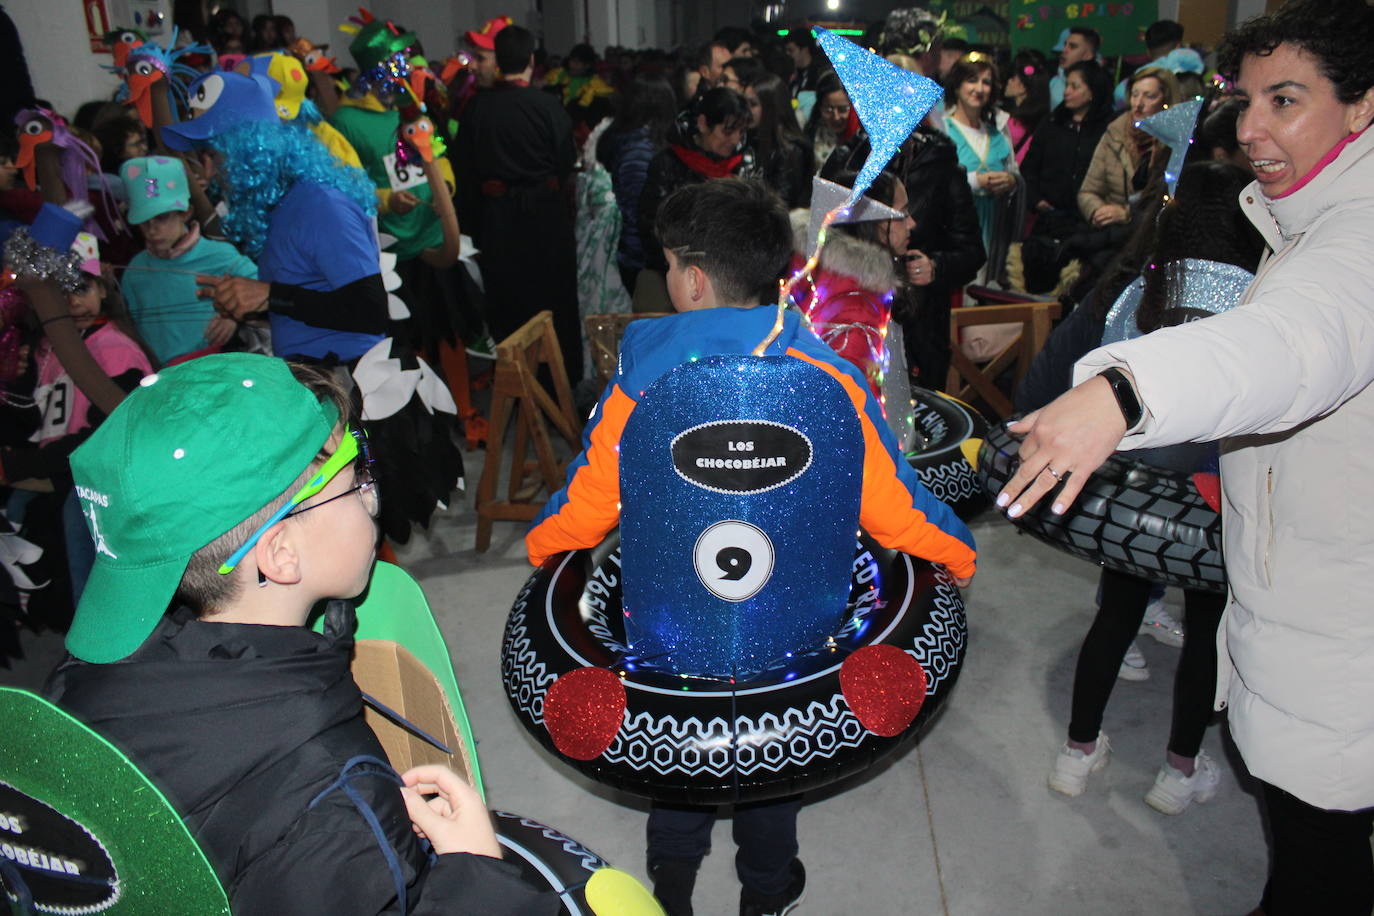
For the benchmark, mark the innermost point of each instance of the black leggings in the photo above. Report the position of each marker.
(1320, 862)
(1118, 620)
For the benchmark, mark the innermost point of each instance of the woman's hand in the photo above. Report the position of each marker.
(1065, 441)
(454, 819)
(920, 269)
(1107, 214)
(235, 297)
(997, 183)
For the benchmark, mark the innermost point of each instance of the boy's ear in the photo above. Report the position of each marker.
(277, 556)
(698, 284)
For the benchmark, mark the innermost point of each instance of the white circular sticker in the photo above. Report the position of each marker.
(733, 560)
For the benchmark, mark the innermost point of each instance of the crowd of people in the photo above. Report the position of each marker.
(380, 221)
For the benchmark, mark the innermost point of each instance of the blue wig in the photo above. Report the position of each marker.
(262, 160)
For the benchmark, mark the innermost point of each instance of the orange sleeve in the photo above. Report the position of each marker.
(889, 510)
(588, 506)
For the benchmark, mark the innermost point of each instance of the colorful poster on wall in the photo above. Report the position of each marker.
(1121, 23)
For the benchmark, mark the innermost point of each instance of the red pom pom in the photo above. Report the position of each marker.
(583, 711)
(1209, 488)
(885, 687)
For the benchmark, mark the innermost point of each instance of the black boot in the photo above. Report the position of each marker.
(674, 880)
(752, 904)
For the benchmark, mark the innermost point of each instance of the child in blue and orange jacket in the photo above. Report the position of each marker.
(726, 241)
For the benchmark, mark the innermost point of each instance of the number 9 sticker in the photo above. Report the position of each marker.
(733, 560)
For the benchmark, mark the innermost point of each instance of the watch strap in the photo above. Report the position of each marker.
(1126, 397)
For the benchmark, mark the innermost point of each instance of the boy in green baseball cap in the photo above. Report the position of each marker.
(159, 284)
(226, 497)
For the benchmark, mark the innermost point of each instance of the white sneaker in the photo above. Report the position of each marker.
(1072, 766)
(1162, 625)
(1133, 666)
(1173, 792)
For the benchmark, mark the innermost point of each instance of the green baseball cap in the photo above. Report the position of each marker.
(193, 451)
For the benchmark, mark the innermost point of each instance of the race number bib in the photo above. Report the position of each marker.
(54, 404)
(403, 175)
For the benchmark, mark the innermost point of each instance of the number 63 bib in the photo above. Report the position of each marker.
(740, 483)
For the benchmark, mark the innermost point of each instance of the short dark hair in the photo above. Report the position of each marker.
(732, 36)
(1164, 32)
(735, 229)
(583, 52)
(954, 44)
(1218, 129)
(1338, 33)
(744, 67)
(722, 105)
(514, 48)
(1091, 35)
(802, 38)
(704, 54)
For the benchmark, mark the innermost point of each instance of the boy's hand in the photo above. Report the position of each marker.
(220, 330)
(235, 297)
(454, 820)
(402, 202)
(962, 581)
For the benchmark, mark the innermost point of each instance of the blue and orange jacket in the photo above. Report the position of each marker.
(896, 509)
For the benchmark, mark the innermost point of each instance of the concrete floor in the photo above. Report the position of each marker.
(962, 823)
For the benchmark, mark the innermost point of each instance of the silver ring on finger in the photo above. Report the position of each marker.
(1052, 472)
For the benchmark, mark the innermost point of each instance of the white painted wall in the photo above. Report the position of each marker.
(63, 69)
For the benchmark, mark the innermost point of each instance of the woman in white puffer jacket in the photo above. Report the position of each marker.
(1284, 381)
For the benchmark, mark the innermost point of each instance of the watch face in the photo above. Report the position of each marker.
(1125, 396)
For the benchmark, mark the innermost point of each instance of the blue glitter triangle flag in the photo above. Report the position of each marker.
(890, 101)
(1174, 128)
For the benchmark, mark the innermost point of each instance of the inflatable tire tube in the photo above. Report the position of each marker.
(1131, 517)
(785, 731)
(548, 860)
(948, 434)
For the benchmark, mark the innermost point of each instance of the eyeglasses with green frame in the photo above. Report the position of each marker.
(352, 446)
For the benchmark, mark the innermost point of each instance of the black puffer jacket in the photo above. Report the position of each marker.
(247, 730)
(1060, 152)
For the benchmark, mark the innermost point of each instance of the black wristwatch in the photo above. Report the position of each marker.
(1126, 397)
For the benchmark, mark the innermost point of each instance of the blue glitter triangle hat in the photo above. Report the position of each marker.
(1174, 127)
(890, 101)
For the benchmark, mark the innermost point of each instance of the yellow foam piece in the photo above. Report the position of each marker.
(612, 892)
(970, 449)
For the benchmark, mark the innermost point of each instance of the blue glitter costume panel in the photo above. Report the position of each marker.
(740, 485)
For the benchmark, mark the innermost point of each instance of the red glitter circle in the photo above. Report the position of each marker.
(885, 688)
(583, 711)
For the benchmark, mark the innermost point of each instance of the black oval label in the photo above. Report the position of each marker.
(741, 456)
(63, 865)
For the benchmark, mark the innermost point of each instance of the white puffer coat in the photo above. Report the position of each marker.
(1283, 380)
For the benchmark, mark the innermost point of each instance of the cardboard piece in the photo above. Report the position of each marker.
(389, 672)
